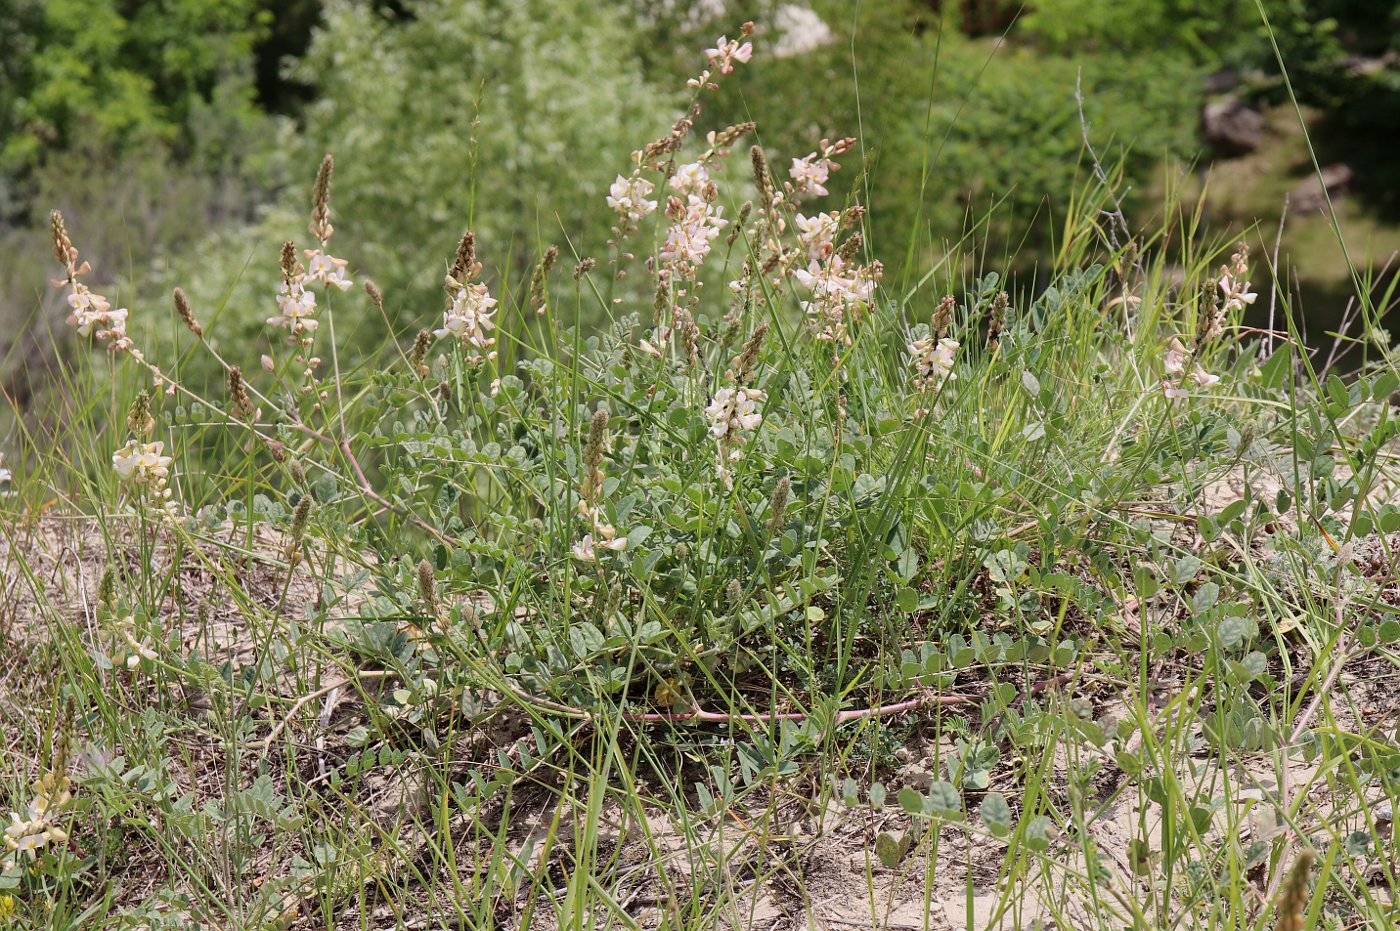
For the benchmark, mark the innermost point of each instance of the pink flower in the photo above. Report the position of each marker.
(810, 174)
(1175, 361)
(818, 233)
(726, 52)
(327, 269)
(1203, 378)
(696, 224)
(690, 179)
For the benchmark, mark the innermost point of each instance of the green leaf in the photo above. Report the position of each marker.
(944, 799)
(1185, 569)
(324, 488)
(1235, 631)
(996, 814)
(585, 639)
(888, 850)
(1038, 833)
(906, 600)
(911, 800)
(877, 795)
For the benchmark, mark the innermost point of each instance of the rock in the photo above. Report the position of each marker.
(1218, 82)
(1312, 194)
(1231, 126)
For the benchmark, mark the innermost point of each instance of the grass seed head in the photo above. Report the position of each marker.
(1293, 901)
(777, 505)
(321, 201)
(186, 313)
(241, 406)
(418, 356)
(427, 589)
(376, 296)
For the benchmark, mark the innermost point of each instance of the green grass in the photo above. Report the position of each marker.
(1037, 642)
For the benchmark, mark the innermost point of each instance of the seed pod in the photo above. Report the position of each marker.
(943, 316)
(139, 419)
(464, 265)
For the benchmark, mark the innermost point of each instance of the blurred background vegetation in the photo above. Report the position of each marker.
(180, 136)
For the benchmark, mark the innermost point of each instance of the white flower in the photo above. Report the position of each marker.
(933, 361)
(586, 550)
(690, 179)
(818, 233)
(734, 412)
(1203, 378)
(92, 315)
(1175, 361)
(726, 52)
(470, 317)
(5, 474)
(1236, 293)
(800, 30)
(27, 835)
(327, 269)
(628, 196)
(1173, 391)
(127, 650)
(837, 292)
(297, 307)
(142, 463)
(658, 344)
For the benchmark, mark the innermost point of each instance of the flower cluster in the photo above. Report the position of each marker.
(296, 305)
(733, 414)
(695, 222)
(840, 292)
(468, 316)
(142, 465)
(1234, 287)
(1174, 370)
(818, 234)
(932, 361)
(91, 314)
(628, 196)
(1234, 295)
(127, 649)
(690, 180)
(591, 491)
(727, 51)
(811, 173)
(38, 826)
(327, 269)
(470, 306)
(320, 265)
(29, 832)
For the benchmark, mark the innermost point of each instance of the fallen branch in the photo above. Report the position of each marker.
(701, 716)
